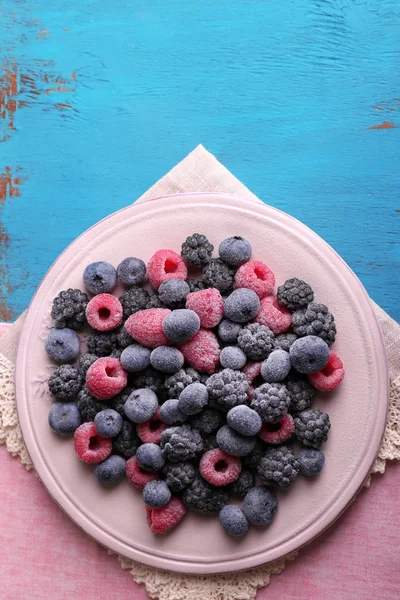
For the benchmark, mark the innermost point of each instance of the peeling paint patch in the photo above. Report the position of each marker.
(42, 34)
(384, 125)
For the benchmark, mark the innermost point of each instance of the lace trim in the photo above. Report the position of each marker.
(172, 586)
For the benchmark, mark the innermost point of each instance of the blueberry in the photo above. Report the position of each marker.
(171, 414)
(309, 354)
(173, 292)
(276, 366)
(260, 506)
(228, 331)
(149, 457)
(233, 443)
(111, 470)
(233, 520)
(99, 278)
(244, 420)
(235, 250)
(311, 461)
(108, 422)
(167, 359)
(131, 271)
(141, 405)
(242, 305)
(181, 325)
(62, 345)
(193, 398)
(135, 358)
(232, 357)
(156, 494)
(64, 418)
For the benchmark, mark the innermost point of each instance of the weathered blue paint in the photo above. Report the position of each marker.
(284, 93)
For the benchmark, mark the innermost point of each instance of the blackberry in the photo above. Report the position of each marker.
(209, 442)
(176, 383)
(271, 401)
(219, 275)
(118, 402)
(69, 309)
(65, 382)
(208, 420)
(195, 285)
(243, 483)
(256, 341)
(315, 320)
(85, 361)
(201, 496)
(88, 405)
(252, 460)
(301, 393)
(181, 443)
(124, 339)
(127, 442)
(279, 465)
(102, 343)
(295, 294)
(133, 300)
(284, 341)
(228, 388)
(197, 250)
(155, 302)
(116, 353)
(150, 378)
(312, 427)
(179, 476)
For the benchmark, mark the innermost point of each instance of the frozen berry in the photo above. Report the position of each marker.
(256, 276)
(274, 316)
(271, 401)
(104, 312)
(127, 441)
(100, 278)
(68, 309)
(64, 418)
(163, 265)
(232, 357)
(173, 292)
(202, 351)
(181, 443)
(284, 340)
(156, 493)
(233, 443)
(219, 468)
(155, 302)
(311, 461)
(330, 376)
(242, 484)
(62, 345)
(193, 399)
(256, 341)
(110, 471)
(278, 465)
(150, 431)
(218, 274)
(309, 354)
(312, 427)
(242, 305)
(84, 363)
(108, 423)
(315, 320)
(295, 294)
(278, 432)
(251, 461)
(276, 366)
(171, 414)
(134, 300)
(233, 520)
(179, 475)
(145, 326)
(131, 271)
(141, 405)
(149, 457)
(105, 378)
(208, 420)
(150, 378)
(208, 304)
(167, 359)
(235, 250)
(195, 285)
(228, 331)
(89, 445)
(162, 520)
(65, 382)
(181, 325)
(138, 476)
(174, 384)
(197, 250)
(227, 389)
(244, 420)
(102, 343)
(260, 506)
(252, 372)
(135, 358)
(202, 496)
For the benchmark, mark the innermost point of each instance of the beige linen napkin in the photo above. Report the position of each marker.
(199, 172)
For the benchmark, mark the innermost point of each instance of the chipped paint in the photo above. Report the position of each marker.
(42, 34)
(384, 125)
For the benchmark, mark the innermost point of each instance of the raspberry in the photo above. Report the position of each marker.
(177, 382)
(162, 520)
(150, 431)
(146, 327)
(256, 341)
(242, 484)
(197, 250)
(104, 312)
(134, 300)
(256, 276)
(179, 476)
(89, 445)
(295, 294)
(202, 351)
(69, 309)
(105, 378)
(126, 442)
(301, 393)
(102, 344)
(279, 465)
(88, 405)
(218, 274)
(252, 372)
(278, 432)
(312, 427)
(195, 285)
(218, 468)
(138, 476)
(65, 382)
(271, 401)
(276, 317)
(165, 264)
(181, 443)
(331, 375)
(228, 388)
(200, 495)
(208, 304)
(315, 320)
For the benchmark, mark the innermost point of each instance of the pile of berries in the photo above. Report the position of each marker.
(193, 391)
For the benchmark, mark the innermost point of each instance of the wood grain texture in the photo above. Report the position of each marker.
(300, 99)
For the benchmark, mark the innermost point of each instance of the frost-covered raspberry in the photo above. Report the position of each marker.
(202, 351)
(146, 327)
(256, 341)
(295, 294)
(138, 476)
(278, 432)
(228, 388)
(315, 320)
(105, 378)
(208, 305)
(257, 276)
(165, 264)
(274, 316)
(331, 375)
(65, 382)
(68, 309)
(150, 431)
(104, 312)
(271, 401)
(279, 465)
(89, 445)
(219, 468)
(162, 520)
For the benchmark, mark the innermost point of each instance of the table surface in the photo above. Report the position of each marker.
(300, 99)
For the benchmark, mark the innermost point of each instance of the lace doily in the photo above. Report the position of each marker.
(171, 586)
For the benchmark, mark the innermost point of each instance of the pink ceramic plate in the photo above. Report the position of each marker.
(116, 518)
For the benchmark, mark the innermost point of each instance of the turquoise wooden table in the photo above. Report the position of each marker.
(300, 99)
